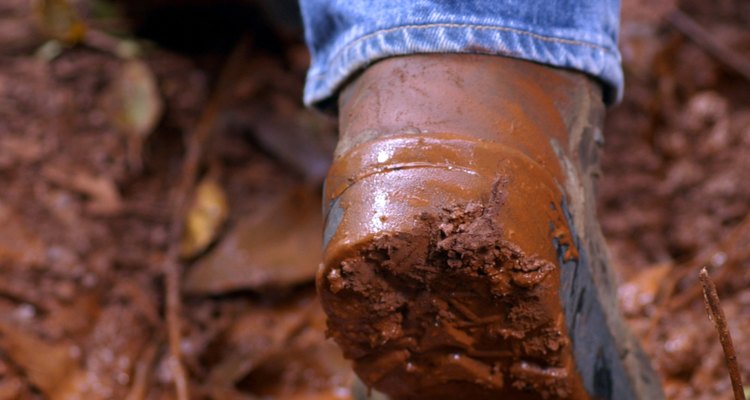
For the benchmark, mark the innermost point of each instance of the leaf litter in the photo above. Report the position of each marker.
(91, 149)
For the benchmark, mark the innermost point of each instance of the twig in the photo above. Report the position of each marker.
(195, 148)
(141, 370)
(703, 38)
(174, 328)
(716, 315)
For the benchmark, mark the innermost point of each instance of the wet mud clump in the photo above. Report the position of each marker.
(450, 309)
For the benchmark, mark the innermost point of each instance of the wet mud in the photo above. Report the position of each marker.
(451, 310)
(446, 280)
(83, 233)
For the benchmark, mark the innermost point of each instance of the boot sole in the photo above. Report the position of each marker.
(416, 333)
(469, 299)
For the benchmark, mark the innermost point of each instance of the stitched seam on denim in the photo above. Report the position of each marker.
(449, 25)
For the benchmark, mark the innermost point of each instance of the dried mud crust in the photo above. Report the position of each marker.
(452, 310)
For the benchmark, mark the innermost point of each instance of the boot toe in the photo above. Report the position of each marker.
(440, 273)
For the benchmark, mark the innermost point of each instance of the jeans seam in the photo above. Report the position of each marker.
(533, 35)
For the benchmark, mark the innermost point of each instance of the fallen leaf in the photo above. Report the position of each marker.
(19, 246)
(49, 50)
(19, 150)
(103, 195)
(59, 20)
(204, 219)
(50, 367)
(10, 388)
(141, 104)
(308, 366)
(643, 289)
(255, 337)
(76, 317)
(277, 246)
(134, 105)
(299, 137)
(104, 198)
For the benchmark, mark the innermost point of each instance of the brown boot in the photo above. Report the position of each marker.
(463, 258)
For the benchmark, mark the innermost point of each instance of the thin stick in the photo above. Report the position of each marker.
(141, 372)
(195, 148)
(716, 315)
(703, 38)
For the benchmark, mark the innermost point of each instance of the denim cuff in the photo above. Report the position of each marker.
(598, 57)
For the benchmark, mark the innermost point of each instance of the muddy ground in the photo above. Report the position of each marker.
(97, 128)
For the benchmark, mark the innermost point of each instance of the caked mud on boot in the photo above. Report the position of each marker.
(463, 258)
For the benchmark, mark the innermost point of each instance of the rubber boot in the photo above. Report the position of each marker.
(463, 258)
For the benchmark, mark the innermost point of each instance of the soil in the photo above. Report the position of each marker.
(409, 342)
(86, 208)
(674, 195)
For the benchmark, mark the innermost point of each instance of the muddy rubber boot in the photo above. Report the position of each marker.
(463, 258)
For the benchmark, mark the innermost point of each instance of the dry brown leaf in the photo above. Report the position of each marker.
(21, 150)
(59, 20)
(277, 246)
(10, 388)
(19, 246)
(52, 368)
(302, 139)
(78, 316)
(206, 216)
(103, 195)
(307, 366)
(314, 368)
(644, 288)
(255, 337)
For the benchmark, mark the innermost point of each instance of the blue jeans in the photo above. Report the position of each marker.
(345, 36)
